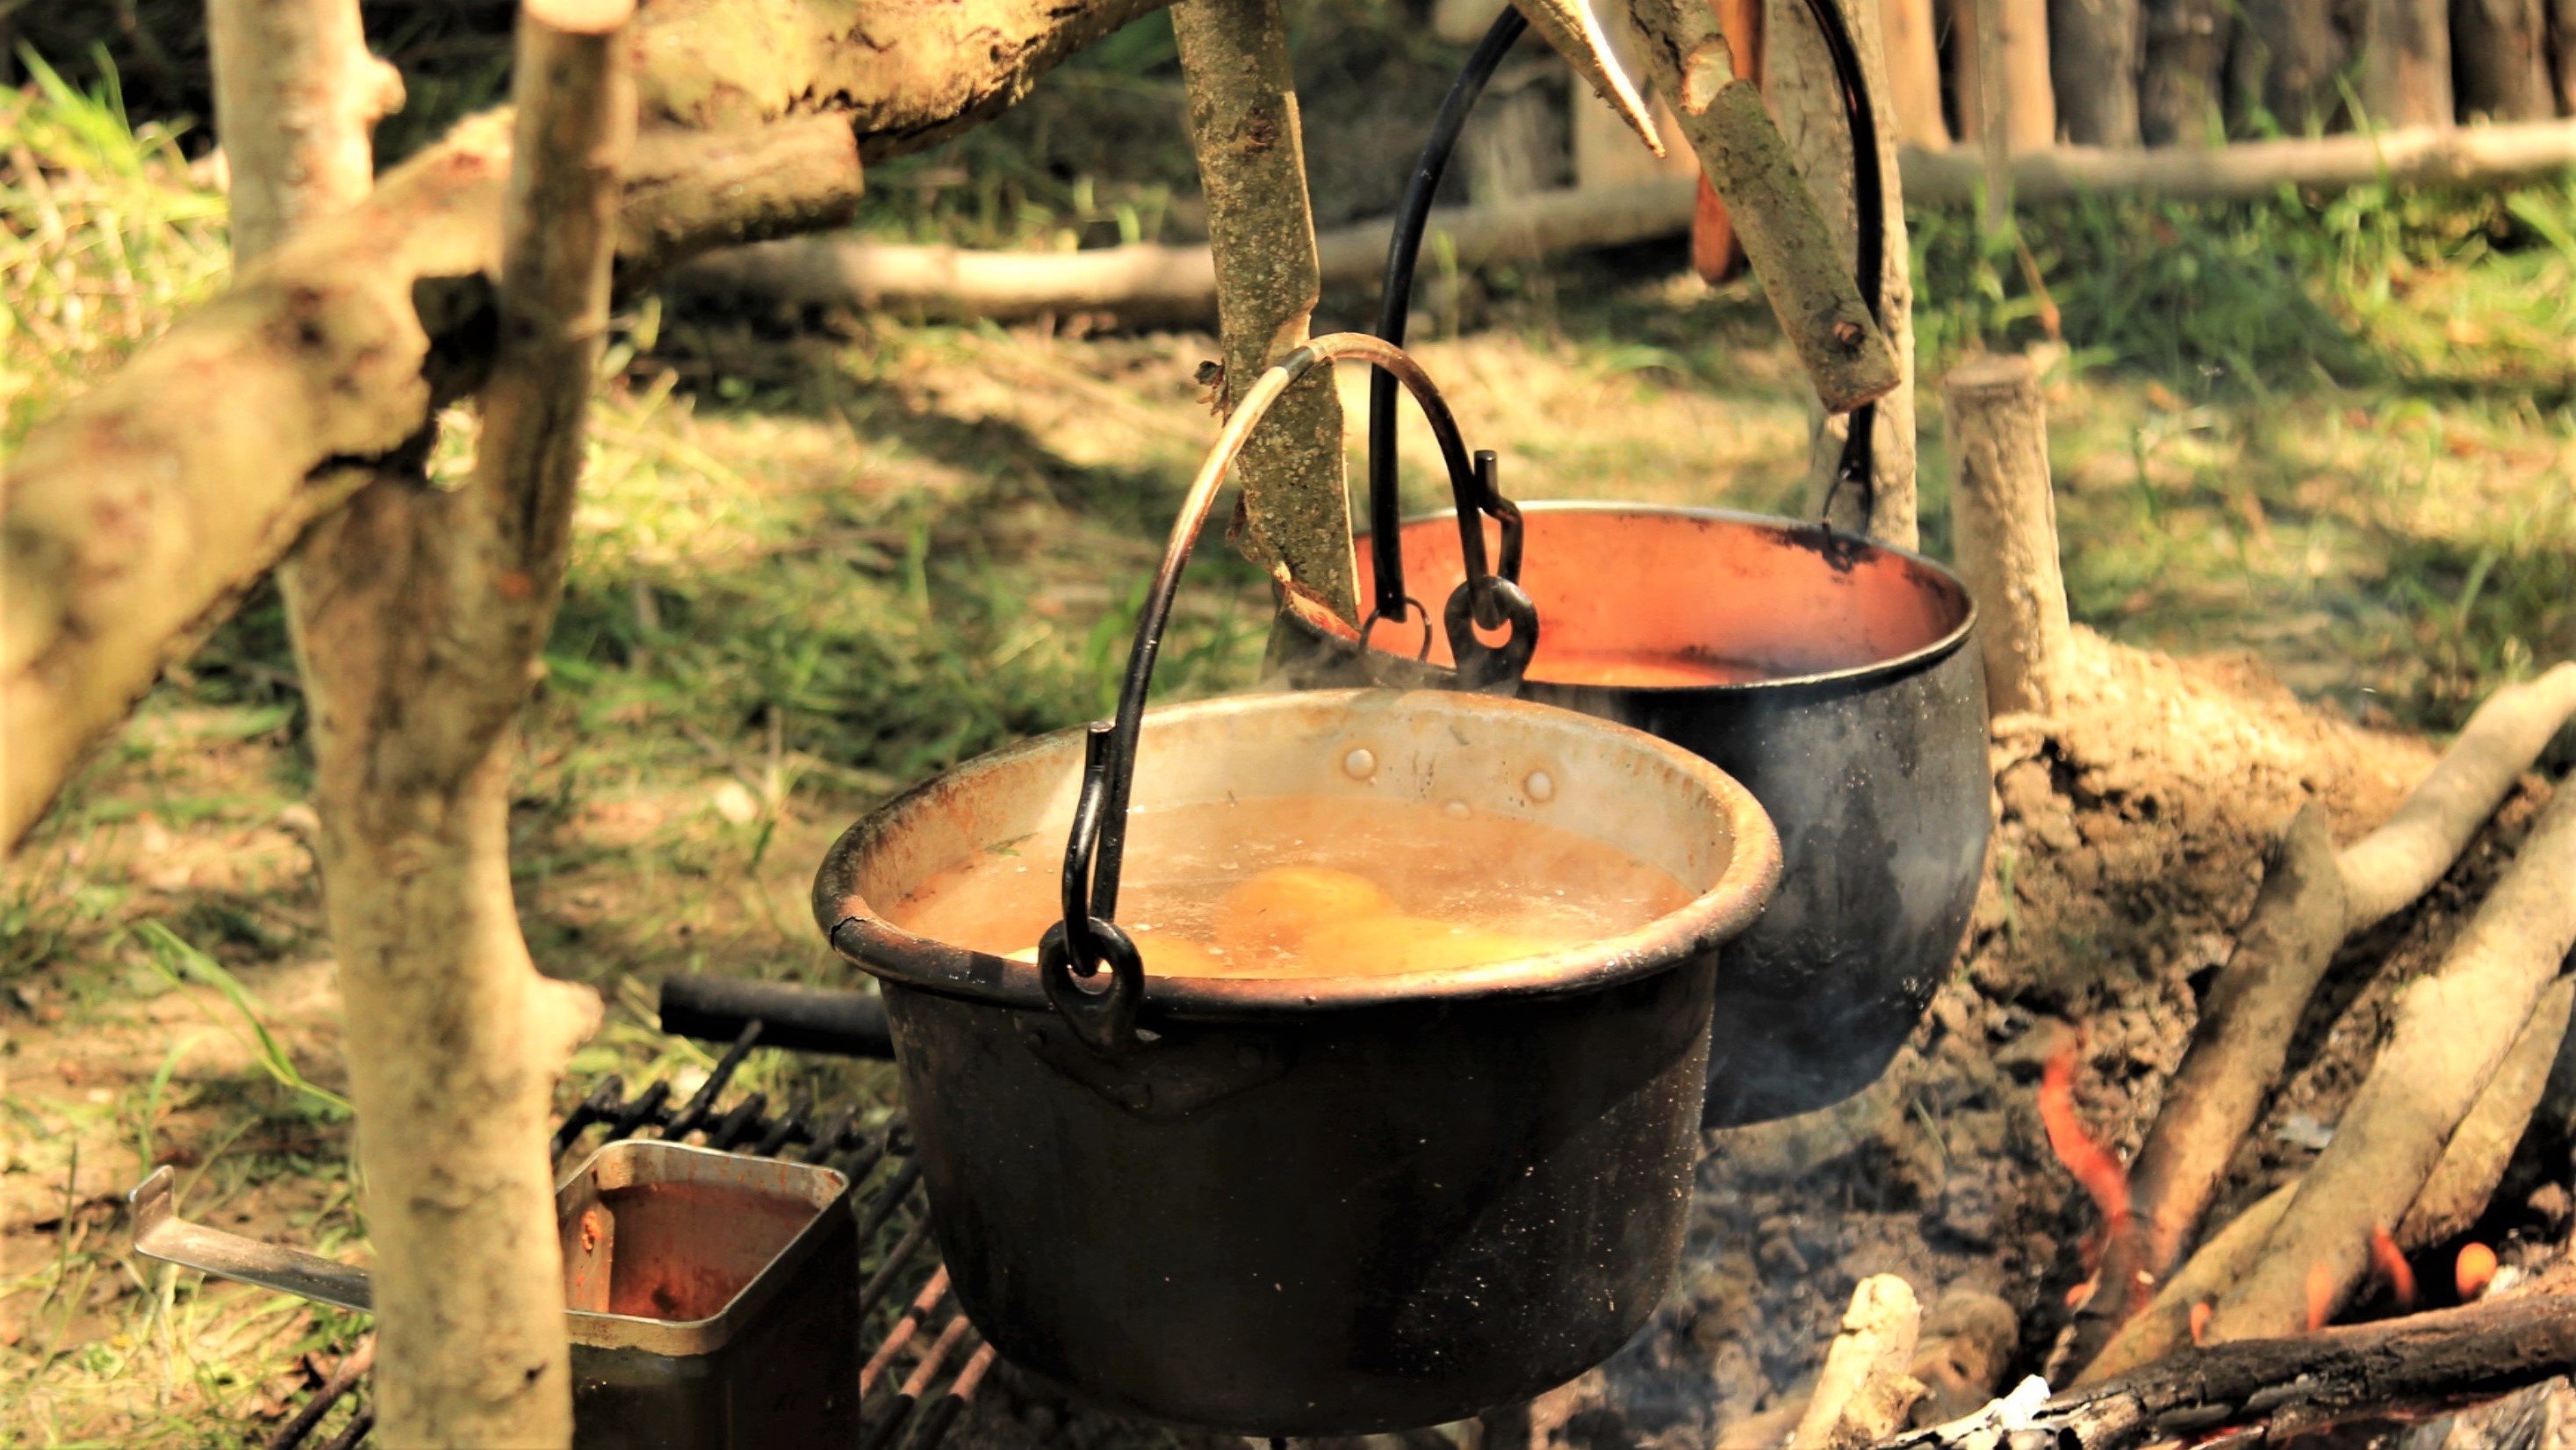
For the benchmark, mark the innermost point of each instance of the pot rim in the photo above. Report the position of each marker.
(894, 956)
(1323, 621)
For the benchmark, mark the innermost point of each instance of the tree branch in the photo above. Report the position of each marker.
(133, 522)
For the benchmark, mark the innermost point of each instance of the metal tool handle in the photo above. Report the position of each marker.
(159, 1233)
(798, 1018)
(1404, 251)
(1088, 935)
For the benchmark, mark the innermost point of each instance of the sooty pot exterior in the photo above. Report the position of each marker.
(1387, 1218)
(1324, 1203)
(1866, 744)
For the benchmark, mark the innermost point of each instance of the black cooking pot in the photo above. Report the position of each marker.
(1860, 727)
(1308, 1205)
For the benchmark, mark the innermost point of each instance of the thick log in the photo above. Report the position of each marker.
(418, 616)
(1784, 231)
(2006, 515)
(1294, 517)
(2094, 61)
(2500, 60)
(2286, 1387)
(2453, 1029)
(2166, 1326)
(2183, 68)
(2289, 60)
(2473, 1162)
(2235, 1057)
(131, 523)
(2405, 50)
(1801, 87)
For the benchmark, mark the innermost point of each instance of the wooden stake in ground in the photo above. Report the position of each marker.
(2006, 517)
(2453, 1030)
(2186, 56)
(2405, 50)
(2500, 60)
(1800, 82)
(2290, 58)
(418, 617)
(1914, 73)
(1295, 515)
(2093, 66)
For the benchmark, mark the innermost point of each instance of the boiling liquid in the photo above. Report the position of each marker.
(1313, 887)
(1640, 669)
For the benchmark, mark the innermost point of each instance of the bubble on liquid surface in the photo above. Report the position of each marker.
(1360, 764)
(1455, 810)
(1541, 786)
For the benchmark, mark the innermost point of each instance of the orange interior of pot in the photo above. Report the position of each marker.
(1659, 597)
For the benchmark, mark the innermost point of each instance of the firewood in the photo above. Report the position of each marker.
(2453, 1029)
(2452, 1198)
(1865, 1392)
(1294, 516)
(2166, 1325)
(2006, 518)
(2402, 859)
(2313, 898)
(2473, 1162)
(2296, 1385)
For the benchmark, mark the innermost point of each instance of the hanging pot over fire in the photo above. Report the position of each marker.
(1827, 673)
(1352, 1122)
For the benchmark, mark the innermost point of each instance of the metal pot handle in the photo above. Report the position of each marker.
(1404, 251)
(1088, 936)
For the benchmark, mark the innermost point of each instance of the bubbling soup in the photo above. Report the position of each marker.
(1313, 887)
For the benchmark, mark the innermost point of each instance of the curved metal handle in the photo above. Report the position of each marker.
(1087, 936)
(1404, 252)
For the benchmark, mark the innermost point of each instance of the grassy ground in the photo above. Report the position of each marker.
(811, 568)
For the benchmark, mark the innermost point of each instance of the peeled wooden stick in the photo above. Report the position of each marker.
(1807, 278)
(2453, 1030)
(1865, 1391)
(2393, 865)
(1296, 513)
(2006, 514)
(2474, 1160)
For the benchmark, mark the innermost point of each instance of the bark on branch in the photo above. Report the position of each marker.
(2292, 1386)
(418, 615)
(1295, 514)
